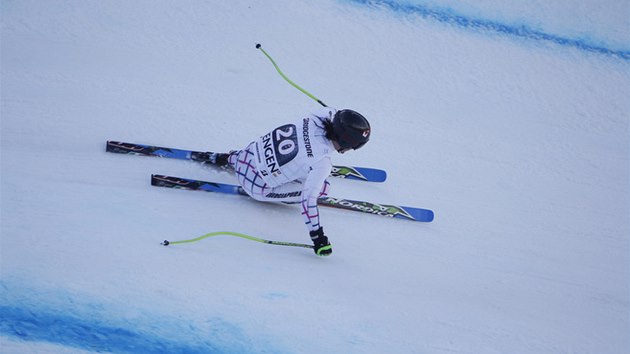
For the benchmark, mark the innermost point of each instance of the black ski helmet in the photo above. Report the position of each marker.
(350, 129)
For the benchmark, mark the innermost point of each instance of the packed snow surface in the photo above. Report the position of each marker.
(509, 119)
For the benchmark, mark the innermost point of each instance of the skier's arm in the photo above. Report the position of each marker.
(312, 189)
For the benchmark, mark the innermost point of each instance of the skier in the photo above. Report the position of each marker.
(291, 163)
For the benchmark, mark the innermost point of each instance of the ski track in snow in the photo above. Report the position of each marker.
(516, 137)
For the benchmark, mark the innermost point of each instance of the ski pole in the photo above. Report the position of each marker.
(258, 46)
(247, 237)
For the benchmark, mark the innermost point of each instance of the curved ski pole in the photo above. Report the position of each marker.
(258, 46)
(247, 237)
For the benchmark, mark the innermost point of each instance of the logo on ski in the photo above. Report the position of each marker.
(367, 207)
(346, 171)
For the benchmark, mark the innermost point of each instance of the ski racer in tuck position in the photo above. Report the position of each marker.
(291, 163)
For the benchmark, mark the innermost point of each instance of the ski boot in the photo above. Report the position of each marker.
(219, 159)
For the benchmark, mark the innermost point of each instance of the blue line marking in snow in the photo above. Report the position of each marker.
(452, 18)
(29, 325)
(64, 318)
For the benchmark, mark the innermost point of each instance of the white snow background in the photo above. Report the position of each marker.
(509, 119)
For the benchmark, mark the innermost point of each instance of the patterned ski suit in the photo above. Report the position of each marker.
(289, 164)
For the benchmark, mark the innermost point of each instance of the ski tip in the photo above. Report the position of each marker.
(165, 243)
(383, 177)
(423, 215)
(372, 174)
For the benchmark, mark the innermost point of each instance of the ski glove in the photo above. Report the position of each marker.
(321, 245)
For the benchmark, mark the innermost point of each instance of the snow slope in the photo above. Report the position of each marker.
(520, 146)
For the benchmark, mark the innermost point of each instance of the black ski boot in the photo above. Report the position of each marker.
(219, 159)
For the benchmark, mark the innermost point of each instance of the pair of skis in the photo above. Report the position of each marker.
(347, 172)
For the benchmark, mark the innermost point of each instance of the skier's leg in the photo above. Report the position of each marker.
(291, 193)
(248, 177)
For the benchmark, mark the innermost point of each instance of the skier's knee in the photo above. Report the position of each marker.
(325, 189)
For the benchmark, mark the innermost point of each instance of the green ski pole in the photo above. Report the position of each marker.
(236, 234)
(258, 46)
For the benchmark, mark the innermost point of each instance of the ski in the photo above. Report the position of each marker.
(393, 211)
(350, 172)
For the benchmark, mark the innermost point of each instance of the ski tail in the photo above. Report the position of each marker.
(191, 184)
(158, 151)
